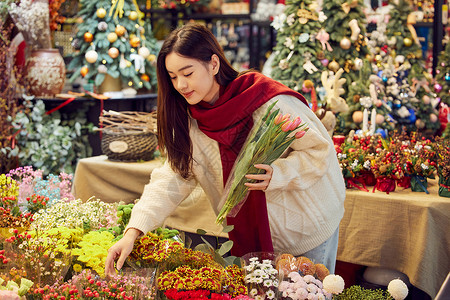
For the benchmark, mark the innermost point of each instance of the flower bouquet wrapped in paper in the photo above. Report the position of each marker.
(268, 139)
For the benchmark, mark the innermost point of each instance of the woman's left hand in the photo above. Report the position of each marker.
(263, 180)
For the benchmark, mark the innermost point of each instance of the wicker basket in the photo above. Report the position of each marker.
(129, 136)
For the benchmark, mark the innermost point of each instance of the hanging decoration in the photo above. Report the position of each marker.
(353, 24)
(345, 43)
(410, 22)
(349, 5)
(305, 15)
(324, 37)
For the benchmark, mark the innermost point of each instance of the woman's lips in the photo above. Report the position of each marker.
(187, 95)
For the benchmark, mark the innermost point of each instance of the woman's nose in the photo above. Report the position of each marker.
(181, 84)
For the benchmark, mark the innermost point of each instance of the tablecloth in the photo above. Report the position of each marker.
(403, 230)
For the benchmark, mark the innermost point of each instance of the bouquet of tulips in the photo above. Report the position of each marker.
(269, 138)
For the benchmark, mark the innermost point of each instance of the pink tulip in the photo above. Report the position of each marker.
(278, 119)
(299, 134)
(295, 123)
(286, 117)
(286, 126)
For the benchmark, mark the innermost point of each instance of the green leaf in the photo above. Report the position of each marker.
(201, 231)
(206, 242)
(227, 228)
(203, 247)
(225, 247)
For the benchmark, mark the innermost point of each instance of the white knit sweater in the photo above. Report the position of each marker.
(305, 197)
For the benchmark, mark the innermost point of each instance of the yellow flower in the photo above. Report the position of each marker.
(77, 268)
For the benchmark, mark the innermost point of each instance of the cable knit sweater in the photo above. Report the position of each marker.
(305, 197)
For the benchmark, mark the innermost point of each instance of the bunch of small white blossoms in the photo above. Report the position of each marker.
(262, 279)
(92, 214)
(298, 287)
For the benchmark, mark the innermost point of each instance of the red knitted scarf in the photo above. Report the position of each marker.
(228, 122)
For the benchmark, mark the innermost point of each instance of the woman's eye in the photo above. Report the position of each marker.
(189, 74)
(173, 78)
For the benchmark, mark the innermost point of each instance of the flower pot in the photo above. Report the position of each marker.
(45, 73)
(444, 186)
(419, 183)
(385, 184)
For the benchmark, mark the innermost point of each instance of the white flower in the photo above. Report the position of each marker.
(424, 166)
(253, 259)
(253, 292)
(259, 297)
(301, 293)
(284, 285)
(268, 283)
(270, 294)
(308, 278)
(398, 289)
(333, 284)
(312, 288)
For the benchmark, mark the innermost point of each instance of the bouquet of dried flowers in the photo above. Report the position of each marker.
(267, 141)
(32, 19)
(443, 159)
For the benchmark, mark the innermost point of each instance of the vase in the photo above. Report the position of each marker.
(444, 186)
(419, 183)
(45, 73)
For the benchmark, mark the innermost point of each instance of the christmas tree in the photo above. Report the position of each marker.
(300, 46)
(442, 85)
(403, 39)
(114, 41)
(346, 25)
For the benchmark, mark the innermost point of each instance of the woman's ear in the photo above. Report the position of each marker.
(215, 64)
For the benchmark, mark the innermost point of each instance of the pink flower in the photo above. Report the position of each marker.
(9, 295)
(300, 134)
(295, 123)
(286, 117)
(278, 119)
(286, 126)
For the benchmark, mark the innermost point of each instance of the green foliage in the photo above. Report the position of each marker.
(122, 66)
(48, 143)
(358, 292)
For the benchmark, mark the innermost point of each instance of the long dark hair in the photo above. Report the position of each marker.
(192, 41)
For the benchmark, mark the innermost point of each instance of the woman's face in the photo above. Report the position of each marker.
(193, 79)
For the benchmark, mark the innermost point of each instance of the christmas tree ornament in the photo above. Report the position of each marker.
(120, 30)
(133, 15)
(145, 77)
(305, 15)
(151, 58)
(309, 67)
(303, 38)
(410, 22)
(102, 26)
(324, 62)
(84, 70)
(324, 37)
(135, 42)
(112, 37)
(345, 43)
(88, 37)
(378, 58)
(353, 24)
(357, 117)
(333, 66)
(433, 118)
(358, 64)
(76, 44)
(356, 98)
(91, 56)
(307, 86)
(102, 69)
(379, 119)
(426, 99)
(101, 13)
(283, 64)
(346, 6)
(113, 52)
(437, 88)
(144, 52)
(447, 77)
(139, 63)
(420, 124)
(407, 42)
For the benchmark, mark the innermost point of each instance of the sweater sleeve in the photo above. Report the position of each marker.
(161, 196)
(307, 159)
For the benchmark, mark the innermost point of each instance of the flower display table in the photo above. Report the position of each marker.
(112, 181)
(403, 230)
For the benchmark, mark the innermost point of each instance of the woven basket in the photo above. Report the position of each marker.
(127, 141)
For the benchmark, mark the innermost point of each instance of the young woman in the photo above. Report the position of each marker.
(205, 112)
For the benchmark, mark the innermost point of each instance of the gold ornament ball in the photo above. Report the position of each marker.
(379, 119)
(369, 57)
(88, 37)
(420, 124)
(378, 58)
(91, 56)
(113, 52)
(407, 42)
(84, 70)
(120, 30)
(135, 42)
(393, 53)
(101, 13)
(433, 118)
(145, 77)
(345, 43)
(144, 52)
(357, 116)
(151, 58)
(112, 37)
(333, 66)
(133, 16)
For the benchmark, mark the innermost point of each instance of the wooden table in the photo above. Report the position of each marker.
(403, 230)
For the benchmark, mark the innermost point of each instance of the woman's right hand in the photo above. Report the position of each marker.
(120, 251)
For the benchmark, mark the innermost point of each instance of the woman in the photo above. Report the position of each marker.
(205, 112)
